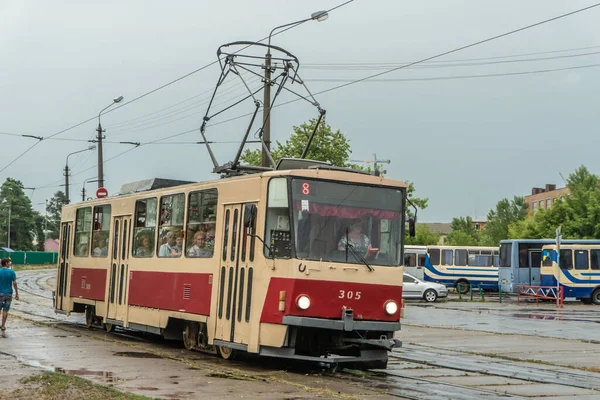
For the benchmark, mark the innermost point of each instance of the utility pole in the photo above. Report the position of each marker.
(374, 161)
(67, 182)
(45, 223)
(8, 240)
(100, 157)
(267, 110)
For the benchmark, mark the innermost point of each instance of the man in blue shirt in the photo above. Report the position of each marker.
(8, 281)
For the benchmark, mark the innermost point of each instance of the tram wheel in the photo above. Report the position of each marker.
(226, 353)
(190, 336)
(109, 327)
(464, 287)
(596, 297)
(90, 316)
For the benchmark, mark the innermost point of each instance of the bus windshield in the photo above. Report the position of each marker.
(347, 222)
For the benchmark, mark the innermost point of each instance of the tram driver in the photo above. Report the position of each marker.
(354, 237)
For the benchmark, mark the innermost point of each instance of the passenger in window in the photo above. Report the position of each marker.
(178, 244)
(168, 249)
(210, 235)
(100, 247)
(199, 249)
(144, 245)
(354, 237)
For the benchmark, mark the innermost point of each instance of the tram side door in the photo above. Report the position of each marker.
(229, 273)
(119, 269)
(64, 269)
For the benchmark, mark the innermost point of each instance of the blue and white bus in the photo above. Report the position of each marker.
(465, 265)
(521, 259)
(578, 271)
(414, 260)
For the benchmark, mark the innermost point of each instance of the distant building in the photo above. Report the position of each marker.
(544, 197)
(439, 227)
(479, 223)
(51, 245)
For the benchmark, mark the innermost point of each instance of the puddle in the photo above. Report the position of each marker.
(136, 354)
(537, 316)
(107, 376)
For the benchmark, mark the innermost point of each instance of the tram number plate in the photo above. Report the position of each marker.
(349, 294)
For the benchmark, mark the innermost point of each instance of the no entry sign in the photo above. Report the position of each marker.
(101, 192)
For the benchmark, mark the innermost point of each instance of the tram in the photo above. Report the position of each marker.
(576, 270)
(252, 263)
(467, 266)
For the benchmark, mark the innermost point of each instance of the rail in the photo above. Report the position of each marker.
(541, 293)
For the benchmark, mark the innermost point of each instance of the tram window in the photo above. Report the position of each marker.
(421, 260)
(234, 235)
(201, 223)
(410, 259)
(278, 223)
(144, 230)
(581, 259)
(434, 256)
(566, 259)
(226, 234)
(170, 230)
(83, 224)
(100, 231)
(595, 259)
(446, 257)
(460, 257)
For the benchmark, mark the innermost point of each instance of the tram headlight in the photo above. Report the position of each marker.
(391, 307)
(303, 302)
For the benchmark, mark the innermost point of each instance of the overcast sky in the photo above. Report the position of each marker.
(465, 142)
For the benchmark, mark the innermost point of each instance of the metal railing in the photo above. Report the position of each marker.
(541, 293)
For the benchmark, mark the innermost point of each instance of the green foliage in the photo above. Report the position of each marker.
(327, 145)
(423, 237)
(463, 233)
(22, 224)
(53, 210)
(507, 212)
(578, 214)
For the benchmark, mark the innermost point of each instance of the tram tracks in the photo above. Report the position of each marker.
(399, 380)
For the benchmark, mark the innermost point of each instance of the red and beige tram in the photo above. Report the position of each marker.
(261, 263)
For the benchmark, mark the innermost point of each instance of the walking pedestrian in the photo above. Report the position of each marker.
(8, 281)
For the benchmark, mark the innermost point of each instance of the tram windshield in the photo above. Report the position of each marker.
(346, 222)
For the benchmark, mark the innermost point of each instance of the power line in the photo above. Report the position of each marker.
(438, 78)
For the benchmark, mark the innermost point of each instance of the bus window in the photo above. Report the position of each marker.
(410, 259)
(460, 258)
(144, 228)
(595, 259)
(505, 252)
(446, 257)
(566, 259)
(201, 223)
(581, 259)
(100, 231)
(421, 260)
(83, 224)
(171, 225)
(547, 258)
(434, 256)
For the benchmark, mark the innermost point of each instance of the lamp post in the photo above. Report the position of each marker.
(88, 180)
(100, 131)
(92, 147)
(317, 16)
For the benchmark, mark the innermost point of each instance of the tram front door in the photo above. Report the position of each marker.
(64, 268)
(119, 270)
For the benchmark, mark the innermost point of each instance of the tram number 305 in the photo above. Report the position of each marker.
(349, 295)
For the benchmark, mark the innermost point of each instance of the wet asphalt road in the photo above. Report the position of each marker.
(453, 350)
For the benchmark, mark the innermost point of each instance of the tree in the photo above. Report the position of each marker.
(423, 237)
(463, 232)
(53, 211)
(327, 145)
(22, 216)
(507, 212)
(578, 214)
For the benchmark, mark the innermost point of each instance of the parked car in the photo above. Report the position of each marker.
(414, 288)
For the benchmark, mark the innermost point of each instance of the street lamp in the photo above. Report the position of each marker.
(100, 131)
(92, 147)
(316, 16)
(88, 180)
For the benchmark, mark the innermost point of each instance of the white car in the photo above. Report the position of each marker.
(413, 288)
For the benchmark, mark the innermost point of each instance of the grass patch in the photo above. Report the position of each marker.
(28, 267)
(56, 386)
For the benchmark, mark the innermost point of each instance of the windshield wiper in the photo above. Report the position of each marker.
(357, 255)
